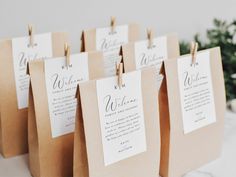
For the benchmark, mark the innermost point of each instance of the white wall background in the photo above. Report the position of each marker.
(186, 17)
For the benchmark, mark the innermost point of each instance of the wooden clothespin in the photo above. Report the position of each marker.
(113, 24)
(31, 35)
(67, 54)
(193, 51)
(150, 38)
(119, 69)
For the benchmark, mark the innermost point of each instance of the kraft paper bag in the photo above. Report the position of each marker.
(109, 40)
(142, 54)
(192, 130)
(52, 107)
(121, 135)
(14, 86)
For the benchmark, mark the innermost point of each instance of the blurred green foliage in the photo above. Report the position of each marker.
(223, 34)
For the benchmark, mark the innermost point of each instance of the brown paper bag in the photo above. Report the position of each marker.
(139, 55)
(191, 141)
(151, 52)
(92, 156)
(13, 121)
(51, 155)
(109, 40)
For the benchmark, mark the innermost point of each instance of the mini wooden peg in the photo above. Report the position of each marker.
(119, 67)
(31, 35)
(150, 38)
(193, 51)
(113, 24)
(67, 54)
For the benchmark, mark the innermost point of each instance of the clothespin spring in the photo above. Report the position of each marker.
(150, 38)
(67, 54)
(113, 24)
(193, 52)
(119, 67)
(31, 36)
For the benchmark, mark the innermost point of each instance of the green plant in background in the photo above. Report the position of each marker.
(223, 34)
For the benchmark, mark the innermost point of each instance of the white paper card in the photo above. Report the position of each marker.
(121, 117)
(196, 92)
(22, 53)
(61, 84)
(110, 44)
(153, 56)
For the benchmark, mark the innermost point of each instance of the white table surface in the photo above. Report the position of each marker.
(225, 166)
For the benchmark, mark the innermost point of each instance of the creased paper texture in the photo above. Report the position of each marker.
(61, 83)
(121, 117)
(196, 93)
(22, 53)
